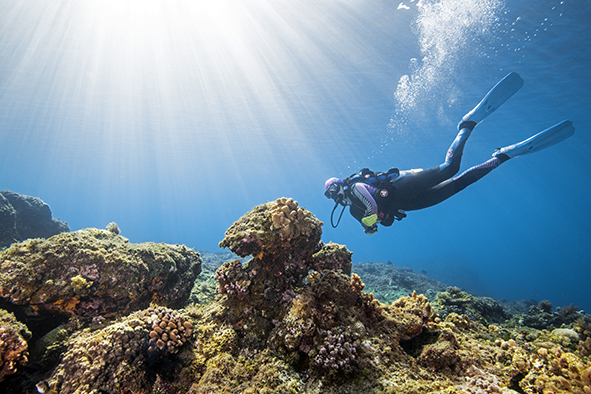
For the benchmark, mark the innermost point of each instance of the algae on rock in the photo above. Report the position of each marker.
(96, 272)
(13, 344)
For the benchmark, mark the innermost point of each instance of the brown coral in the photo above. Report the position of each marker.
(275, 228)
(94, 272)
(117, 357)
(13, 344)
(557, 372)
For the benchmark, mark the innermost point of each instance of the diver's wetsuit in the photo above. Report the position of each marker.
(413, 190)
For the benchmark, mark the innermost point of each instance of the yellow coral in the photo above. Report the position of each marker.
(290, 220)
(80, 284)
(557, 372)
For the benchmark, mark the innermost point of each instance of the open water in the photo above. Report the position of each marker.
(174, 118)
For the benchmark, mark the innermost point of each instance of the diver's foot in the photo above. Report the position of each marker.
(467, 124)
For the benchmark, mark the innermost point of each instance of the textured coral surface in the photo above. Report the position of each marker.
(13, 344)
(294, 319)
(119, 356)
(96, 272)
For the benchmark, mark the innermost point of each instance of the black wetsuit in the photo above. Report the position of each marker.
(418, 189)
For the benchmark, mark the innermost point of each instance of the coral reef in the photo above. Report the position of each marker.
(297, 297)
(554, 370)
(23, 217)
(204, 288)
(95, 272)
(540, 316)
(123, 355)
(293, 318)
(282, 238)
(484, 309)
(13, 344)
(388, 282)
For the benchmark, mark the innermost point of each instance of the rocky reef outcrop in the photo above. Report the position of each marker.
(13, 344)
(121, 356)
(95, 272)
(293, 319)
(456, 301)
(23, 217)
(296, 299)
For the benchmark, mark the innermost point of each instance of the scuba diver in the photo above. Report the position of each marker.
(383, 197)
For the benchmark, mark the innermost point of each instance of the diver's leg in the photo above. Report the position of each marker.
(449, 187)
(412, 183)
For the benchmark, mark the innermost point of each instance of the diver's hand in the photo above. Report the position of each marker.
(371, 230)
(370, 220)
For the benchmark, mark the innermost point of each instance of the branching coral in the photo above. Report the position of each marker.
(337, 351)
(276, 228)
(118, 356)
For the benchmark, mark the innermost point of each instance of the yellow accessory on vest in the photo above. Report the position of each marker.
(370, 220)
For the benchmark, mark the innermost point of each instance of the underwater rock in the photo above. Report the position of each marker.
(273, 231)
(297, 296)
(389, 282)
(120, 356)
(13, 344)
(484, 309)
(95, 272)
(294, 319)
(282, 237)
(23, 217)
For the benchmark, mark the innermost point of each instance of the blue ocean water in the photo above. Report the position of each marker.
(175, 118)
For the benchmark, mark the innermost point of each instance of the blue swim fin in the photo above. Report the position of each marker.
(500, 93)
(551, 136)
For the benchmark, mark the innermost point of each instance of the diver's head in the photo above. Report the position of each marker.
(334, 189)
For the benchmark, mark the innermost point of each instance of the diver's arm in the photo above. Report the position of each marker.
(362, 192)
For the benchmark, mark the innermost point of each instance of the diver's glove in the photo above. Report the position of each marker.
(370, 220)
(371, 230)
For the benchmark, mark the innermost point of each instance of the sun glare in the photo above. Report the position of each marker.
(176, 85)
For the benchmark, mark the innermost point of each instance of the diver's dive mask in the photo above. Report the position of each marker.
(336, 192)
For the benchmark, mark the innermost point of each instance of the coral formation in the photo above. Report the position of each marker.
(388, 282)
(95, 272)
(554, 370)
(119, 356)
(204, 288)
(13, 344)
(540, 316)
(113, 228)
(282, 238)
(291, 319)
(23, 217)
(337, 350)
(272, 229)
(484, 309)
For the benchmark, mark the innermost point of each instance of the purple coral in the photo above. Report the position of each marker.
(338, 350)
(233, 280)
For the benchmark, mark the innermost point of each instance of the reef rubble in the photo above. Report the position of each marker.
(293, 318)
